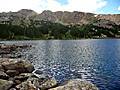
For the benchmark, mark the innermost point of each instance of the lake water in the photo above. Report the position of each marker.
(96, 60)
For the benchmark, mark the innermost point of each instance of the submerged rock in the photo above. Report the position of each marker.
(76, 84)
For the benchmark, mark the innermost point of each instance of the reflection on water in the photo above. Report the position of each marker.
(93, 60)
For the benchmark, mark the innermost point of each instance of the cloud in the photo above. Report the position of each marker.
(54, 5)
(15, 5)
(119, 8)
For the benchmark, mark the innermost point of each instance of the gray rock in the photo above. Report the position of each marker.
(2, 68)
(36, 84)
(51, 82)
(28, 85)
(12, 88)
(45, 81)
(76, 84)
(5, 85)
(11, 55)
(28, 67)
(17, 82)
(3, 75)
(12, 73)
(27, 74)
(23, 76)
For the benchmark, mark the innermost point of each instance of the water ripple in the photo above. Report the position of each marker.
(97, 61)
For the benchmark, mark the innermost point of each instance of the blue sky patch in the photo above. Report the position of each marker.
(63, 2)
(111, 7)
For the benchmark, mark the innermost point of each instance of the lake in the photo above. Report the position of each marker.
(95, 60)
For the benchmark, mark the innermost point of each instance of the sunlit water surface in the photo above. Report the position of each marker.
(97, 60)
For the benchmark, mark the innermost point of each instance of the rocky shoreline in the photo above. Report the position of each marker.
(11, 51)
(19, 74)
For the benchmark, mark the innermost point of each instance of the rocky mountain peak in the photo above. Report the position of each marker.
(26, 11)
(64, 17)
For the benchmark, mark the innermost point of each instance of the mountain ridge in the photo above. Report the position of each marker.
(63, 17)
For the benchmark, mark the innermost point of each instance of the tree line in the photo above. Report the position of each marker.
(47, 30)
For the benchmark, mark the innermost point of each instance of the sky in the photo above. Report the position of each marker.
(92, 6)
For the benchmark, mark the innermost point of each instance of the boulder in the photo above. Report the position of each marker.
(45, 81)
(35, 84)
(76, 84)
(17, 64)
(5, 85)
(28, 67)
(29, 85)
